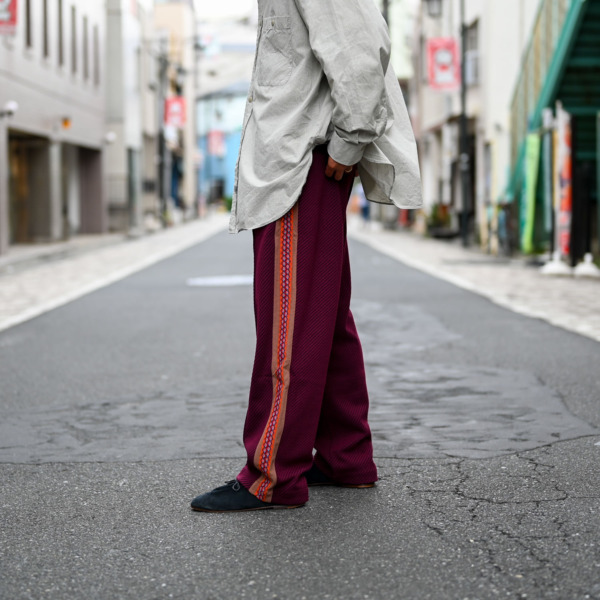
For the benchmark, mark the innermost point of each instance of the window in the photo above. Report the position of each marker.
(45, 17)
(86, 57)
(96, 55)
(73, 39)
(61, 43)
(28, 29)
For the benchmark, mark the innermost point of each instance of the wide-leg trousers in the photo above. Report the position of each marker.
(308, 390)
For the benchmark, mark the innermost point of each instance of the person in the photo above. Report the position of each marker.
(324, 103)
(363, 204)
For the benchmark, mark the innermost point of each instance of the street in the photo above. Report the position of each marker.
(119, 407)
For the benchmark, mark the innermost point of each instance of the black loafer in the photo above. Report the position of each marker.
(233, 497)
(315, 477)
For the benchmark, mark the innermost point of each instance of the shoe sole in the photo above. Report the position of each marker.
(275, 507)
(359, 486)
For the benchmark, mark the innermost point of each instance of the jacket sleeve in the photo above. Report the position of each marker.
(350, 40)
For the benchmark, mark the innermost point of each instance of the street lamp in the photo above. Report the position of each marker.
(434, 8)
(9, 109)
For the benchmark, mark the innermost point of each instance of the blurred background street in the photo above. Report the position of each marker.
(127, 335)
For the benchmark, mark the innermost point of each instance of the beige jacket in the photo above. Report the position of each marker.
(322, 75)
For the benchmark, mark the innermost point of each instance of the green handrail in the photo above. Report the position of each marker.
(557, 53)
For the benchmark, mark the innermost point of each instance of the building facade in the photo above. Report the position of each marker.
(131, 113)
(496, 34)
(175, 24)
(225, 71)
(52, 121)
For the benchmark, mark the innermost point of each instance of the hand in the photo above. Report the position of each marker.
(337, 170)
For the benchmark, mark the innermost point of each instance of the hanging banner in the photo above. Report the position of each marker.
(443, 63)
(216, 143)
(532, 163)
(564, 181)
(175, 113)
(8, 17)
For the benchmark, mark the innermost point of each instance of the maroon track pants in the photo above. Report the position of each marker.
(308, 386)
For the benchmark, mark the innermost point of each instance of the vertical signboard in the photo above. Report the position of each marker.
(564, 182)
(8, 17)
(175, 111)
(532, 163)
(443, 63)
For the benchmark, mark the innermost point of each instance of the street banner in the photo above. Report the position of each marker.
(532, 163)
(443, 63)
(216, 143)
(564, 182)
(175, 111)
(8, 17)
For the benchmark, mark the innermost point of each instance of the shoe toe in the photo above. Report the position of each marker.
(203, 502)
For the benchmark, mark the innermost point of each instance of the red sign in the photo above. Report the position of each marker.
(216, 143)
(565, 181)
(443, 63)
(8, 16)
(175, 113)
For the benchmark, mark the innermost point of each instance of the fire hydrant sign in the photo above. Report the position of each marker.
(8, 17)
(443, 63)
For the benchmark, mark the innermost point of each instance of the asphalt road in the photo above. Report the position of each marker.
(118, 408)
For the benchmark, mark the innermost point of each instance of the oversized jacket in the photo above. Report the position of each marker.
(322, 75)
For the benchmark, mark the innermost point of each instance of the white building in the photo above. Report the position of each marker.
(131, 113)
(496, 35)
(175, 21)
(51, 149)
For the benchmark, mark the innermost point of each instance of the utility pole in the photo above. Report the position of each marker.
(464, 161)
(163, 180)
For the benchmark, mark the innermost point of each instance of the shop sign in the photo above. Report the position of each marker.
(175, 111)
(443, 63)
(8, 17)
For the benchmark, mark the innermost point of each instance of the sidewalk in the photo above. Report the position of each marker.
(36, 279)
(567, 302)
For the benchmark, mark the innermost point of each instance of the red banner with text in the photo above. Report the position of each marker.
(8, 17)
(443, 63)
(175, 111)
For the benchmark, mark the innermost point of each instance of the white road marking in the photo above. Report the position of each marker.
(221, 281)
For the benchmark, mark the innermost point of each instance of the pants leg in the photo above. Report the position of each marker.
(343, 443)
(300, 263)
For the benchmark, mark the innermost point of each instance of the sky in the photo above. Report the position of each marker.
(222, 9)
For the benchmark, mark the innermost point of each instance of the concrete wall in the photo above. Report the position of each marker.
(126, 49)
(47, 91)
(60, 100)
